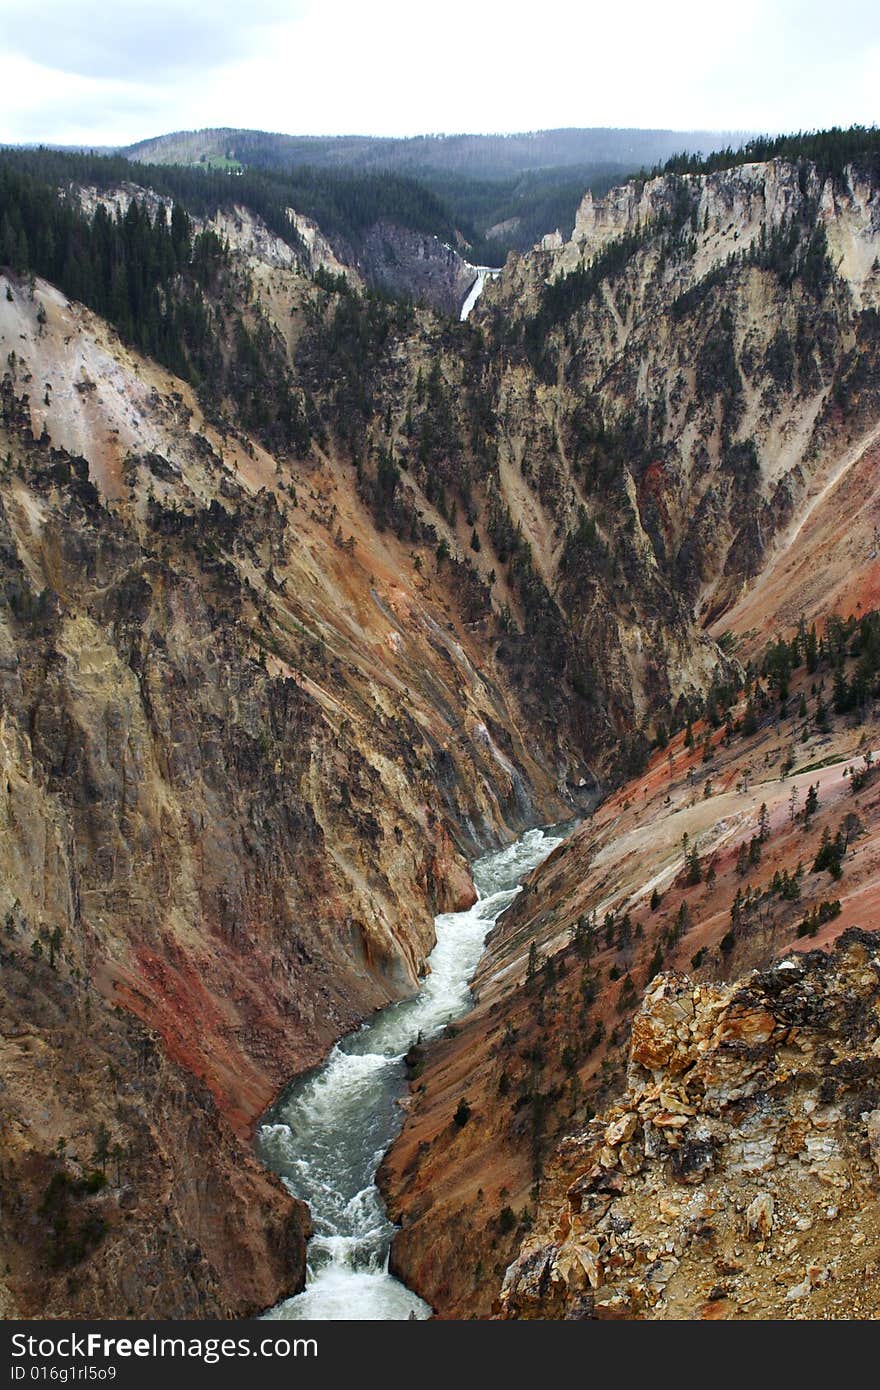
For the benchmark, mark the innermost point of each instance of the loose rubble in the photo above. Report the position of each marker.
(738, 1177)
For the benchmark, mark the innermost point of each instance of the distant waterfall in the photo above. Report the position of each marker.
(484, 273)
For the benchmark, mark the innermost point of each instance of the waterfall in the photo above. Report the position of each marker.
(484, 273)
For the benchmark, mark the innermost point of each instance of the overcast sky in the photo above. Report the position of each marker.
(114, 71)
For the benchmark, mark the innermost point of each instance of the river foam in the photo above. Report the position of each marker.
(327, 1134)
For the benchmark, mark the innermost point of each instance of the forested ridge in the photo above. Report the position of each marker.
(167, 288)
(497, 156)
(342, 202)
(832, 151)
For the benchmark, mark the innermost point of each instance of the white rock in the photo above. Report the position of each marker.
(798, 1290)
(759, 1215)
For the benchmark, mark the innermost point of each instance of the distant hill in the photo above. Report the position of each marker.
(504, 191)
(474, 156)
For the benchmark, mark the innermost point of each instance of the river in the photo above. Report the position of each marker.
(328, 1132)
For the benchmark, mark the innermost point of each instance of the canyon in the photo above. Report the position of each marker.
(263, 703)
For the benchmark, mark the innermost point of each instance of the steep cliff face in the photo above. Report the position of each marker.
(726, 325)
(738, 1175)
(416, 266)
(124, 1191)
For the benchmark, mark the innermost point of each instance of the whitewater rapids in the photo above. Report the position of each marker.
(328, 1133)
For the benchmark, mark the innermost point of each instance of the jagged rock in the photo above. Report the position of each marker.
(759, 1215)
(872, 1125)
(695, 1057)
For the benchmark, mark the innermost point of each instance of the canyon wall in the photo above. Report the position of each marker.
(245, 758)
(265, 694)
(751, 481)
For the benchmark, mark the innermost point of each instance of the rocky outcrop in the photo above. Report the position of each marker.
(384, 256)
(680, 320)
(245, 231)
(319, 253)
(739, 1174)
(735, 207)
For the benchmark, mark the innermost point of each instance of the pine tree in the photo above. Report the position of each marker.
(821, 715)
(682, 921)
(102, 1146)
(841, 692)
(694, 867)
(811, 804)
(811, 650)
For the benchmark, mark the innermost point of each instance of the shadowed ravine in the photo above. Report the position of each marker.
(328, 1132)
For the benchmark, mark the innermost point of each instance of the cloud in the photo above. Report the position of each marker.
(43, 105)
(115, 71)
(150, 43)
(386, 68)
